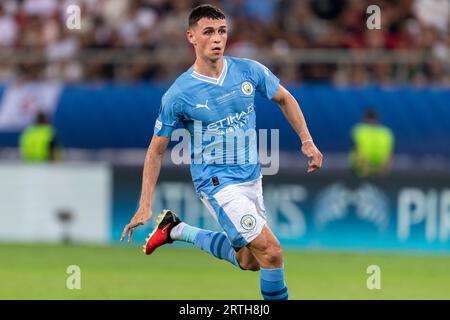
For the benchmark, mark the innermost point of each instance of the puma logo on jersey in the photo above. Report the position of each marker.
(197, 106)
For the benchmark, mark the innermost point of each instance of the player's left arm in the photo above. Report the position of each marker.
(294, 115)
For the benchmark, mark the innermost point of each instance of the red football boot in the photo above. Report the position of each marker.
(165, 221)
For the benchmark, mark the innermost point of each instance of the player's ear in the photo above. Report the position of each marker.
(190, 37)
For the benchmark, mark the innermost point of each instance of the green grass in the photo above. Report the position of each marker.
(124, 272)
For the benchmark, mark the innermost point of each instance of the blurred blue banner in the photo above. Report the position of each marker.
(315, 211)
(123, 116)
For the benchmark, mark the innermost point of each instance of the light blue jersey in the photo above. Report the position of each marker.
(213, 110)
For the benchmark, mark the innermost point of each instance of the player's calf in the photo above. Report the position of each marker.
(267, 250)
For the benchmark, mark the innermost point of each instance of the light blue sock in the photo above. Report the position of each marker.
(215, 243)
(189, 233)
(273, 286)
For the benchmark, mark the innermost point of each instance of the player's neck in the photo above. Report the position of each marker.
(208, 68)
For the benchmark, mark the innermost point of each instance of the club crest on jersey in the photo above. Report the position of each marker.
(248, 222)
(247, 88)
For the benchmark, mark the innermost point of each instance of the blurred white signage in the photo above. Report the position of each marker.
(22, 101)
(55, 203)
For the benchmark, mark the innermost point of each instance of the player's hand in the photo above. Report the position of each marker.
(310, 150)
(140, 218)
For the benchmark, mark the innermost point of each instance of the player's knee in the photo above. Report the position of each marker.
(268, 251)
(273, 253)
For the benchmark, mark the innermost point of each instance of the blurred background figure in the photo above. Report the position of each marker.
(373, 146)
(38, 141)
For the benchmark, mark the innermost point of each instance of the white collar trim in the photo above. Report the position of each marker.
(212, 80)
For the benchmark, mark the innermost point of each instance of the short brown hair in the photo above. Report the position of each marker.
(205, 11)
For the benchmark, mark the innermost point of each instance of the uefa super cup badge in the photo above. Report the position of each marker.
(247, 88)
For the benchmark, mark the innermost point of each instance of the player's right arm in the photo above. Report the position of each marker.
(167, 121)
(152, 166)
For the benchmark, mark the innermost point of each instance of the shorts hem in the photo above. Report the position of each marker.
(254, 235)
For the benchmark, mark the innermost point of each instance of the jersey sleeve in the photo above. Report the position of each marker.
(267, 84)
(168, 117)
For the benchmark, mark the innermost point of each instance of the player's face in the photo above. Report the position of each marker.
(209, 38)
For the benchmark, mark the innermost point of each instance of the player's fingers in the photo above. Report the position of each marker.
(312, 166)
(130, 235)
(317, 159)
(318, 163)
(124, 233)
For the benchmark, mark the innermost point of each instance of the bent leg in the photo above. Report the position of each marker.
(215, 243)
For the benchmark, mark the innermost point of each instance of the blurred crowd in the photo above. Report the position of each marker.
(37, 28)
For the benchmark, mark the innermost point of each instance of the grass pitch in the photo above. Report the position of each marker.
(124, 272)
